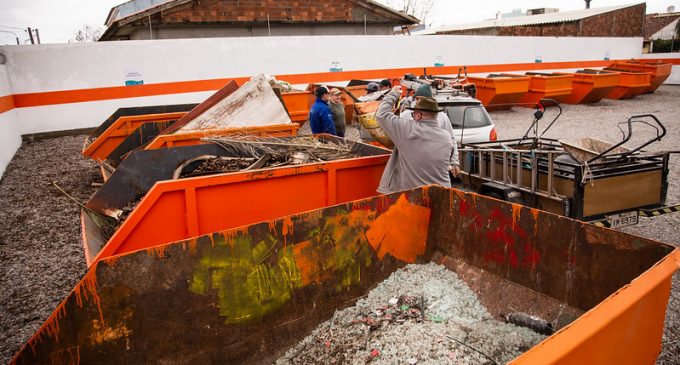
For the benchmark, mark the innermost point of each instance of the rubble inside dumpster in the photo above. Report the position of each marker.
(422, 314)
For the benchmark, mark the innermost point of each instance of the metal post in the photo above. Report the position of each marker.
(37, 35)
(365, 31)
(30, 35)
(150, 30)
(269, 28)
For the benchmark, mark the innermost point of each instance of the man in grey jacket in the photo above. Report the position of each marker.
(423, 149)
(442, 119)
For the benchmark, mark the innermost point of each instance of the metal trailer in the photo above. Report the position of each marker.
(605, 184)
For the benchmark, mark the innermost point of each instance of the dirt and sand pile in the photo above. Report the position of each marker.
(422, 314)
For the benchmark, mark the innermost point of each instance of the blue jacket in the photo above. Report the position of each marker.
(321, 118)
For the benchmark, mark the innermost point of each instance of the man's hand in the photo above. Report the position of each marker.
(397, 89)
(454, 170)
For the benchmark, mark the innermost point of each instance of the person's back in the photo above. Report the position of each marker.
(422, 150)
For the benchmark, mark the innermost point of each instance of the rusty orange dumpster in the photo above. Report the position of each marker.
(215, 201)
(248, 294)
(556, 87)
(631, 84)
(499, 92)
(658, 71)
(589, 87)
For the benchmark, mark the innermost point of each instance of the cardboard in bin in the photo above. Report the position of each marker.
(248, 294)
(584, 149)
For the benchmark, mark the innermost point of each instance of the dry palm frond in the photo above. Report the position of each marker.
(293, 150)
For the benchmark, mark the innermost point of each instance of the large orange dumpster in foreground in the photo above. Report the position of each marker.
(556, 87)
(631, 84)
(658, 71)
(499, 92)
(589, 87)
(246, 295)
(172, 210)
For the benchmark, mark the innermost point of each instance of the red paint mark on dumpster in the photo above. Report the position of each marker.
(464, 207)
(389, 234)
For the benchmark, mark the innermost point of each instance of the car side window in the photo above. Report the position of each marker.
(475, 116)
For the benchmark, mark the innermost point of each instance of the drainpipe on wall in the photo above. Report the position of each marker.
(150, 31)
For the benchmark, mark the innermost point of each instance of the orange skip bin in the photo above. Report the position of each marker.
(658, 71)
(631, 84)
(120, 129)
(556, 87)
(499, 92)
(247, 295)
(589, 87)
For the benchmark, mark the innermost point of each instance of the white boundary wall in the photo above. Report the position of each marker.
(674, 78)
(42, 68)
(10, 138)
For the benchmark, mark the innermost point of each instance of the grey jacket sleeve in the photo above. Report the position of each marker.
(447, 125)
(445, 122)
(396, 128)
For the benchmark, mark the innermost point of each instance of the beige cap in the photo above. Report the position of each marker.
(335, 91)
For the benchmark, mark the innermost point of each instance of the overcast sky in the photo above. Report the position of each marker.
(59, 20)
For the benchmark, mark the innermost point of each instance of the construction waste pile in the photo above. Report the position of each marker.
(422, 314)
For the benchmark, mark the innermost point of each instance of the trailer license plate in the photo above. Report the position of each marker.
(623, 219)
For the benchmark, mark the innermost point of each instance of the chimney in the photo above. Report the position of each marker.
(587, 4)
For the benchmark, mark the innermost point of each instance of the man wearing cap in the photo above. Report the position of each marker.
(320, 116)
(422, 148)
(338, 111)
(442, 119)
(372, 93)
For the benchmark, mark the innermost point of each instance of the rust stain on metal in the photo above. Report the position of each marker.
(102, 333)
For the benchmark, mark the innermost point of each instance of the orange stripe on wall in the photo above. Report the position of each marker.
(6, 103)
(120, 92)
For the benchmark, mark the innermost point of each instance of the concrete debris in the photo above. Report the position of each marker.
(422, 314)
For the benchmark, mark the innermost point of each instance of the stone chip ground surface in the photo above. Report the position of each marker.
(41, 253)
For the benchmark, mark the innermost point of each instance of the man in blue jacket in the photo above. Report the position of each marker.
(320, 116)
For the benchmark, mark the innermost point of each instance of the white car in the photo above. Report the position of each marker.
(470, 121)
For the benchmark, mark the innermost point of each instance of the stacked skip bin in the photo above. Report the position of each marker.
(248, 294)
(129, 129)
(162, 192)
(620, 80)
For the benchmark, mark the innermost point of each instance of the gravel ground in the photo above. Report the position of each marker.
(41, 254)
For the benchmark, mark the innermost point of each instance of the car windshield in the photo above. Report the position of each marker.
(475, 116)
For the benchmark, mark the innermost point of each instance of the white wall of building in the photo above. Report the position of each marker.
(59, 67)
